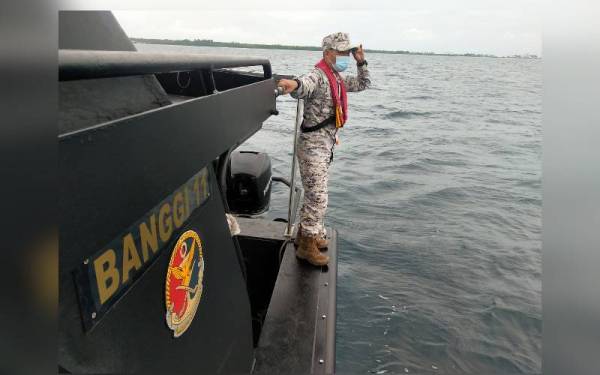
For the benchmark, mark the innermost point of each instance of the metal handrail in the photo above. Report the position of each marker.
(291, 206)
(84, 64)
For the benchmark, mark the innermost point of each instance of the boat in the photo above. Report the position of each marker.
(167, 261)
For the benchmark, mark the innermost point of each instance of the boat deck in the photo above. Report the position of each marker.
(298, 334)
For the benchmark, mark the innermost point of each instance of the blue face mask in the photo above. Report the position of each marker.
(341, 63)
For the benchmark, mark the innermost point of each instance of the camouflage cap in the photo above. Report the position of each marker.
(338, 41)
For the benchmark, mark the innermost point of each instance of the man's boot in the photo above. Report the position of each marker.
(307, 250)
(322, 242)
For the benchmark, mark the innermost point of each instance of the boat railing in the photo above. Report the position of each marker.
(292, 202)
(295, 191)
(86, 64)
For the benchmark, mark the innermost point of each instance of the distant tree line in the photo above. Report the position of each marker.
(212, 43)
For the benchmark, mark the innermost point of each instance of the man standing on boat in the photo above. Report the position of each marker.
(325, 111)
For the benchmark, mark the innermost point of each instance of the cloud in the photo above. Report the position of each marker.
(415, 34)
(497, 27)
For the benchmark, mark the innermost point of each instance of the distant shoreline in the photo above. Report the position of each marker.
(211, 43)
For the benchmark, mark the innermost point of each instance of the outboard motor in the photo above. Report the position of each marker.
(249, 182)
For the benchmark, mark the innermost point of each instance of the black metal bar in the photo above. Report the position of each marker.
(83, 64)
(213, 82)
(283, 180)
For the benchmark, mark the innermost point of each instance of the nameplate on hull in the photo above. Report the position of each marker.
(106, 276)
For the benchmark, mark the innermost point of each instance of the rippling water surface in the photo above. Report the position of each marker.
(435, 191)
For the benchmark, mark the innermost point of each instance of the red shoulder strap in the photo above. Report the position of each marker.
(340, 102)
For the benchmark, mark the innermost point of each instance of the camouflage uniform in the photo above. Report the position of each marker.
(315, 149)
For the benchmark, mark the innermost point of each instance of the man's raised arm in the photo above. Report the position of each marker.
(362, 80)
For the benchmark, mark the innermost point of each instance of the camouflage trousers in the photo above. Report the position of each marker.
(315, 151)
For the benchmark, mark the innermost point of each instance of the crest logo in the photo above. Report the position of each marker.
(183, 288)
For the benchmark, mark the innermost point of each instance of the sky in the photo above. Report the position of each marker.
(501, 28)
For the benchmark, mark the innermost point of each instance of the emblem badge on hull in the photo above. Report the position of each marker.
(183, 288)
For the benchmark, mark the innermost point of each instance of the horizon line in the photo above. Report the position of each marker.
(210, 42)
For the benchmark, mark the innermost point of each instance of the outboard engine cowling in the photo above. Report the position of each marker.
(249, 182)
